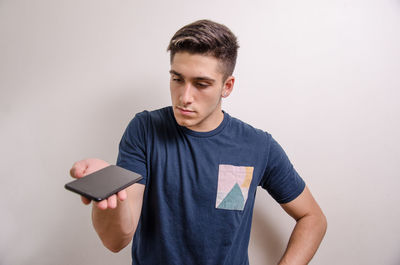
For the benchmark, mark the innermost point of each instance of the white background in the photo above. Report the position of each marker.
(323, 77)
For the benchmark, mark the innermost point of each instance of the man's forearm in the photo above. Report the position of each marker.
(115, 227)
(305, 240)
(115, 219)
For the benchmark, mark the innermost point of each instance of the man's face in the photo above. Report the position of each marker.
(196, 89)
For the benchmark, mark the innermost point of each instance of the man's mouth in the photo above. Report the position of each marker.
(185, 111)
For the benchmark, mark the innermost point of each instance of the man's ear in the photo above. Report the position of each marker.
(228, 86)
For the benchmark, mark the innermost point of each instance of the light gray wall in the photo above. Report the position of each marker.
(322, 76)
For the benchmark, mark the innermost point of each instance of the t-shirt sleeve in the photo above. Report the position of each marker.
(132, 147)
(280, 178)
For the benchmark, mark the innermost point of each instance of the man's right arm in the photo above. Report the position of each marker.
(116, 218)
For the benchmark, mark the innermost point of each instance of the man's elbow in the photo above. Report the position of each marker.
(116, 246)
(316, 221)
(114, 249)
(322, 223)
(325, 223)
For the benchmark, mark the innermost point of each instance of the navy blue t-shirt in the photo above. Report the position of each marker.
(200, 187)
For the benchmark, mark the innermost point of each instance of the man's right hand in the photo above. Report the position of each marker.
(117, 226)
(87, 166)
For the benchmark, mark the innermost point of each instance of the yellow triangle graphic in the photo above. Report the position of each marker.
(248, 178)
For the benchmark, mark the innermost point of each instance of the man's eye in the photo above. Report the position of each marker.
(202, 85)
(176, 79)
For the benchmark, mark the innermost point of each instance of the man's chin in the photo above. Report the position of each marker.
(183, 122)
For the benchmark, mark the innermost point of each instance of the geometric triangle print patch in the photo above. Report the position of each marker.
(233, 186)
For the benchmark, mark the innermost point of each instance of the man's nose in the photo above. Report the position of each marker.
(187, 94)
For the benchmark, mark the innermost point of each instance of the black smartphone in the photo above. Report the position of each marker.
(103, 183)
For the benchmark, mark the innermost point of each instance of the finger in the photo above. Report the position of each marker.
(122, 195)
(85, 200)
(78, 169)
(112, 201)
(72, 171)
(102, 205)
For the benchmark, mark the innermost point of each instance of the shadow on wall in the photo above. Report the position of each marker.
(266, 243)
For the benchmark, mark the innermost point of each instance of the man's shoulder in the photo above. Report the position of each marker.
(247, 129)
(165, 111)
(157, 115)
(154, 120)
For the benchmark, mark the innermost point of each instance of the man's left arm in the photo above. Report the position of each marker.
(309, 231)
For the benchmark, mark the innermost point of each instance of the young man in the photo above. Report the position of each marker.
(201, 168)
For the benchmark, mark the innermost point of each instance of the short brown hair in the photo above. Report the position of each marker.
(208, 38)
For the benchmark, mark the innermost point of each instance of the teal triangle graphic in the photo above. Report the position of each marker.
(234, 200)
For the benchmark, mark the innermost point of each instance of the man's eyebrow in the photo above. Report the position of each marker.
(204, 78)
(199, 78)
(173, 72)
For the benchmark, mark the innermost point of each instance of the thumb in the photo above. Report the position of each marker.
(78, 169)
